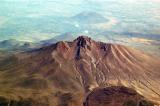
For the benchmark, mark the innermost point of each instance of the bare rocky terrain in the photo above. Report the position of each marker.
(116, 96)
(63, 74)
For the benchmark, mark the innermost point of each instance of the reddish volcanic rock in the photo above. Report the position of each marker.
(78, 67)
(116, 96)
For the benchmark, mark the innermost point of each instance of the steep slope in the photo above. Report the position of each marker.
(67, 71)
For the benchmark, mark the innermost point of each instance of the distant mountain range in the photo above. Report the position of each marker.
(64, 73)
(48, 42)
(16, 45)
(147, 45)
(89, 18)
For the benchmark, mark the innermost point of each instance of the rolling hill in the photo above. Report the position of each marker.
(16, 45)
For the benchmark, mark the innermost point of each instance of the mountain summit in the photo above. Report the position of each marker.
(90, 17)
(63, 73)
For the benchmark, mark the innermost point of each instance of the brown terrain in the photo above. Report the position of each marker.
(63, 74)
(116, 96)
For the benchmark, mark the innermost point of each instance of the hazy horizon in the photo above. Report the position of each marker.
(37, 20)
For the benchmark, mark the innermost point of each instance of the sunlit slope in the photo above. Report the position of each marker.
(64, 72)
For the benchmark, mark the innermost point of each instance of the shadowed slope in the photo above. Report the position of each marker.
(76, 68)
(116, 96)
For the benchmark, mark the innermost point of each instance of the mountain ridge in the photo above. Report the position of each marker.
(78, 67)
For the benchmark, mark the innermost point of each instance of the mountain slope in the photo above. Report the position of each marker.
(90, 17)
(67, 71)
(116, 96)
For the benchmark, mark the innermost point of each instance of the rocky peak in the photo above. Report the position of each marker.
(62, 45)
(82, 41)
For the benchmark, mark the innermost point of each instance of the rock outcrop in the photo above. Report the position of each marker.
(116, 96)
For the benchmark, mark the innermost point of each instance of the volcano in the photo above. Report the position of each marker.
(65, 72)
(89, 17)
